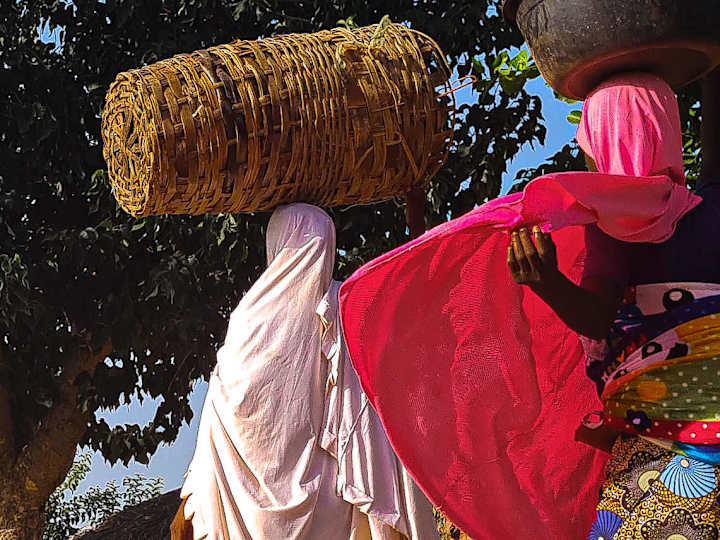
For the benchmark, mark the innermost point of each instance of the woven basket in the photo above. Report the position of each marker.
(333, 118)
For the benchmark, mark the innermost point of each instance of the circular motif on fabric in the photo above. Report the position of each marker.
(688, 478)
(651, 390)
(677, 297)
(606, 525)
(646, 479)
(638, 420)
(651, 348)
(640, 475)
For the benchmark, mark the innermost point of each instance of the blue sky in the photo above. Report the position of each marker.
(170, 462)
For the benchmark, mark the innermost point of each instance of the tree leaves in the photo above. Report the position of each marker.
(514, 72)
(564, 99)
(568, 158)
(67, 510)
(163, 287)
(690, 117)
(15, 293)
(574, 117)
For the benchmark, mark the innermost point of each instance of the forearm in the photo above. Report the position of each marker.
(586, 312)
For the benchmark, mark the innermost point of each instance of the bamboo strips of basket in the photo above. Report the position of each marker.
(332, 118)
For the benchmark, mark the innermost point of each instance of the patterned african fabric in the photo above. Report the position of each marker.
(660, 376)
(655, 494)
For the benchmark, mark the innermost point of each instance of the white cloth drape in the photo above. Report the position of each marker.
(369, 475)
(259, 471)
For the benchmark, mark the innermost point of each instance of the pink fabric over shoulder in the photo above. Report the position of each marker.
(479, 385)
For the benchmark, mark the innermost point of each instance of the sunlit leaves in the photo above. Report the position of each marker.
(514, 72)
(574, 117)
(68, 509)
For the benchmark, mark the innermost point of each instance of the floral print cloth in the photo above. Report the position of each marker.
(654, 494)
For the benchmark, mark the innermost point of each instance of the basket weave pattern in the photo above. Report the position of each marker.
(321, 118)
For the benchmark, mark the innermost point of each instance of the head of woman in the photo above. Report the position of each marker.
(303, 235)
(631, 126)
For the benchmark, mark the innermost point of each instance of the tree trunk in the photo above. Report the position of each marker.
(20, 519)
(415, 212)
(29, 475)
(30, 479)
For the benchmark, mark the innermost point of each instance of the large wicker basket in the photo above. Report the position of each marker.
(333, 118)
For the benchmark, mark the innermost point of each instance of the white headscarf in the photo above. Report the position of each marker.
(275, 328)
(257, 471)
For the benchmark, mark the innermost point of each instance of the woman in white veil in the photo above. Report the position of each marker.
(287, 447)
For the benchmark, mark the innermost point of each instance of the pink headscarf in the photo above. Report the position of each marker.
(479, 385)
(631, 125)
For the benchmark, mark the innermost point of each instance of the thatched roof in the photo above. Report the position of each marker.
(149, 520)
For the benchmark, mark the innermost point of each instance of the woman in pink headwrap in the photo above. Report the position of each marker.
(483, 390)
(657, 372)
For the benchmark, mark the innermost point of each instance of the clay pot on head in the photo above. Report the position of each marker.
(579, 43)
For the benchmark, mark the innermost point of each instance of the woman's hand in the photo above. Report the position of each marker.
(587, 312)
(532, 263)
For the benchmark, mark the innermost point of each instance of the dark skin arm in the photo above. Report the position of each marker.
(588, 309)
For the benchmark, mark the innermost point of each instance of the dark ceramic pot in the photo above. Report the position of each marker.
(579, 43)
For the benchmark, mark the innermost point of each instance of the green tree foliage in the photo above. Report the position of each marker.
(67, 510)
(689, 99)
(76, 269)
